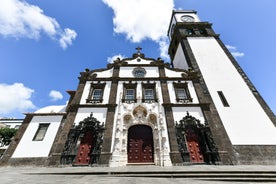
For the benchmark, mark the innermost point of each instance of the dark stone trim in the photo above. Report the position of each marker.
(202, 105)
(6, 159)
(255, 154)
(96, 105)
(175, 155)
(184, 77)
(257, 95)
(65, 126)
(109, 123)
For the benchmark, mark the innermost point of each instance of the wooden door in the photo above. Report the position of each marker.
(83, 157)
(140, 144)
(193, 144)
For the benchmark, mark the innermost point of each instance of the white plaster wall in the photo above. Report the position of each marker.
(139, 61)
(191, 90)
(104, 74)
(171, 73)
(127, 72)
(245, 121)
(179, 60)
(180, 112)
(29, 148)
(98, 113)
(86, 90)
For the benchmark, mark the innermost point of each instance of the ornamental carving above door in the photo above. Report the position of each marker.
(83, 145)
(195, 141)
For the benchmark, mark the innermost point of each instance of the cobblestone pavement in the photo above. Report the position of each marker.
(104, 175)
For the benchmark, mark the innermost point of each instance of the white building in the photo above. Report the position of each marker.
(143, 111)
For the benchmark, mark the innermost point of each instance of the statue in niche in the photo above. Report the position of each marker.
(140, 113)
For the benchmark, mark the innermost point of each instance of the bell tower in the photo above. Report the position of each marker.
(241, 122)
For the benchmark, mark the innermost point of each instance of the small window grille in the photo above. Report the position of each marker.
(149, 95)
(181, 93)
(129, 94)
(97, 94)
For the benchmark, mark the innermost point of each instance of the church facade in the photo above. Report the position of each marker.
(199, 109)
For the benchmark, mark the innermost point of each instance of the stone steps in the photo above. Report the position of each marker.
(230, 176)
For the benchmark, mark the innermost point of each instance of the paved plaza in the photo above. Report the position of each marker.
(196, 174)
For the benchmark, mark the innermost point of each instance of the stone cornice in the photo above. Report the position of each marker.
(203, 105)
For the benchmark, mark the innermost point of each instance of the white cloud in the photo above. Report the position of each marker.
(164, 46)
(21, 19)
(15, 97)
(55, 95)
(142, 19)
(115, 57)
(230, 47)
(237, 54)
(67, 37)
(234, 51)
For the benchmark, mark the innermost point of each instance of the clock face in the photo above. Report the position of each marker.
(187, 18)
(139, 72)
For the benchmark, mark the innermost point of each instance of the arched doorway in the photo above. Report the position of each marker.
(140, 144)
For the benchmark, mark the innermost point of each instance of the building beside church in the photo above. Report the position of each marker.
(199, 109)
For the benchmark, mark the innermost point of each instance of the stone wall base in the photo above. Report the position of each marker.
(34, 161)
(255, 154)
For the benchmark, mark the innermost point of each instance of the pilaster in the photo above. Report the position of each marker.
(174, 154)
(109, 124)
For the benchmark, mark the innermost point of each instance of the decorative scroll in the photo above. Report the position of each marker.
(75, 136)
(203, 134)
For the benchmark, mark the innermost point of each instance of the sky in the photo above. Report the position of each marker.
(45, 44)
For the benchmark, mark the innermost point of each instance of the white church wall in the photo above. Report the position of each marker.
(104, 74)
(127, 72)
(171, 73)
(98, 113)
(139, 61)
(180, 112)
(179, 60)
(29, 148)
(245, 121)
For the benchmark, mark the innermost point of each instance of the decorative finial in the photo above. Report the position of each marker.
(138, 50)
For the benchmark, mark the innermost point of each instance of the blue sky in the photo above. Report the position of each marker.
(45, 44)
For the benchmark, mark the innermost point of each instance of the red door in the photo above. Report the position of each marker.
(140, 144)
(193, 144)
(83, 156)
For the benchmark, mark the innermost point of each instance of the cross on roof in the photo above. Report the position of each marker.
(138, 50)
